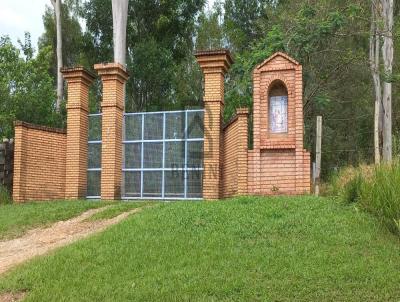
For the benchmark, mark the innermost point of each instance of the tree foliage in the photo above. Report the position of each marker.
(160, 45)
(330, 39)
(73, 40)
(26, 87)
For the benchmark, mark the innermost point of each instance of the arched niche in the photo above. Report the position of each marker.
(278, 119)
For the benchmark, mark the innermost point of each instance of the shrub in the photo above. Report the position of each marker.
(5, 197)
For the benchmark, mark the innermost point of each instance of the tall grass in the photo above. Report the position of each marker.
(374, 189)
(346, 183)
(381, 195)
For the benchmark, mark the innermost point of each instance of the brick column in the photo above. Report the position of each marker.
(214, 65)
(20, 152)
(299, 130)
(78, 80)
(243, 115)
(114, 77)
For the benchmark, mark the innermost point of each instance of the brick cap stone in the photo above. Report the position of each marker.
(78, 73)
(112, 71)
(278, 54)
(239, 112)
(39, 127)
(210, 61)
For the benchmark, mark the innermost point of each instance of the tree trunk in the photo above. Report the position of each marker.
(387, 54)
(60, 82)
(374, 54)
(120, 18)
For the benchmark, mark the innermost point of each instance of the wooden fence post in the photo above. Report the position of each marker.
(318, 155)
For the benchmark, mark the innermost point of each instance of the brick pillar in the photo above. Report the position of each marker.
(20, 152)
(214, 65)
(114, 77)
(301, 172)
(78, 80)
(242, 149)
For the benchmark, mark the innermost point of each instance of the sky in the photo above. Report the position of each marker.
(19, 16)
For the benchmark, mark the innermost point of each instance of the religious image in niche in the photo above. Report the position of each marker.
(278, 114)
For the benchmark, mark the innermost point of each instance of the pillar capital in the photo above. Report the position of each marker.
(78, 74)
(112, 71)
(214, 61)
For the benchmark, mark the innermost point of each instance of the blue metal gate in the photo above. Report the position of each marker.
(163, 155)
(94, 157)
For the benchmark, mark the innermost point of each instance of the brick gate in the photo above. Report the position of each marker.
(148, 155)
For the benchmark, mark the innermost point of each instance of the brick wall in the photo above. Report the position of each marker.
(234, 167)
(230, 164)
(278, 171)
(39, 163)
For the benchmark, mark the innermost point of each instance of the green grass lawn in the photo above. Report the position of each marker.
(15, 219)
(245, 249)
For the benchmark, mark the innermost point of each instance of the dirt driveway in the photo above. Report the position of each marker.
(40, 241)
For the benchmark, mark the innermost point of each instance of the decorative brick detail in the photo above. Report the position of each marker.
(114, 77)
(235, 170)
(214, 65)
(278, 164)
(78, 80)
(39, 162)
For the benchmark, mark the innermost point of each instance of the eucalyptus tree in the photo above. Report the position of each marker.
(73, 41)
(60, 82)
(382, 50)
(387, 56)
(375, 57)
(120, 17)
